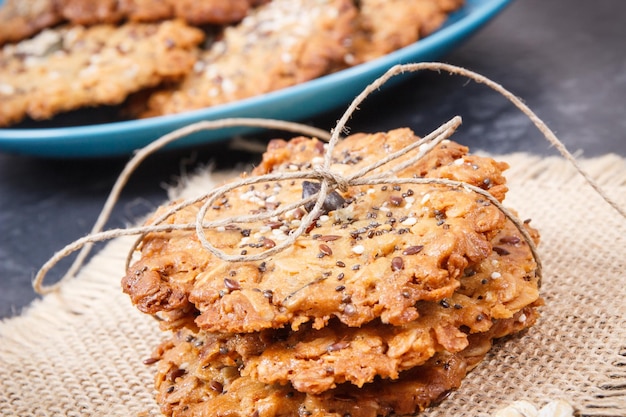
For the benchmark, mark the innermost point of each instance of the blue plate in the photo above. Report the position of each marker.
(293, 103)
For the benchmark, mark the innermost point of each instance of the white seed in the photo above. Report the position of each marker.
(496, 275)
(409, 221)
(7, 89)
(358, 249)
(425, 199)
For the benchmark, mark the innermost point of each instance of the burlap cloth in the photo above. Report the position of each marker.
(80, 352)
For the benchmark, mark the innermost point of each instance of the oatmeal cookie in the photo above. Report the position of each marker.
(198, 377)
(71, 67)
(196, 12)
(20, 19)
(387, 247)
(314, 361)
(279, 44)
(411, 20)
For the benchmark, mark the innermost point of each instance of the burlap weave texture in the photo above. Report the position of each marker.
(80, 352)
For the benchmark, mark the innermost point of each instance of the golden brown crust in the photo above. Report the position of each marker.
(412, 20)
(279, 44)
(71, 67)
(435, 231)
(20, 19)
(381, 308)
(314, 361)
(198, 375)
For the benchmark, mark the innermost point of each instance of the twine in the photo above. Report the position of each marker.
(328, 179)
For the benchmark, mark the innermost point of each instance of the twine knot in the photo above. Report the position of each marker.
(333, 179)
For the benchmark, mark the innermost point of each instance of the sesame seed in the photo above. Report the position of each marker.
(358, 249)
(349, 309)
(496, 275)
(410, 221)
(338, 346)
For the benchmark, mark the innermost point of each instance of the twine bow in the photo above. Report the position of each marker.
(329, 180)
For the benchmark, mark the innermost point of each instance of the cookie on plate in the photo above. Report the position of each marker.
(71, 67)
(412, 20)
(20, 19)
(279, 44)
(197, 12)
(386, 246)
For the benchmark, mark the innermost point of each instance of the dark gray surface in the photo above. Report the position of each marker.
(565, 58)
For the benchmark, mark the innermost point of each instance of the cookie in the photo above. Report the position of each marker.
(198, 377)
(315, 361)
(203, 12)
(71, 67)
(388, 247)
(20, 19)
(376, 36)
(279, 44)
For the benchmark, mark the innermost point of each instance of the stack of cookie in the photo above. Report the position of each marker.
(155, 57)
(390, 297)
